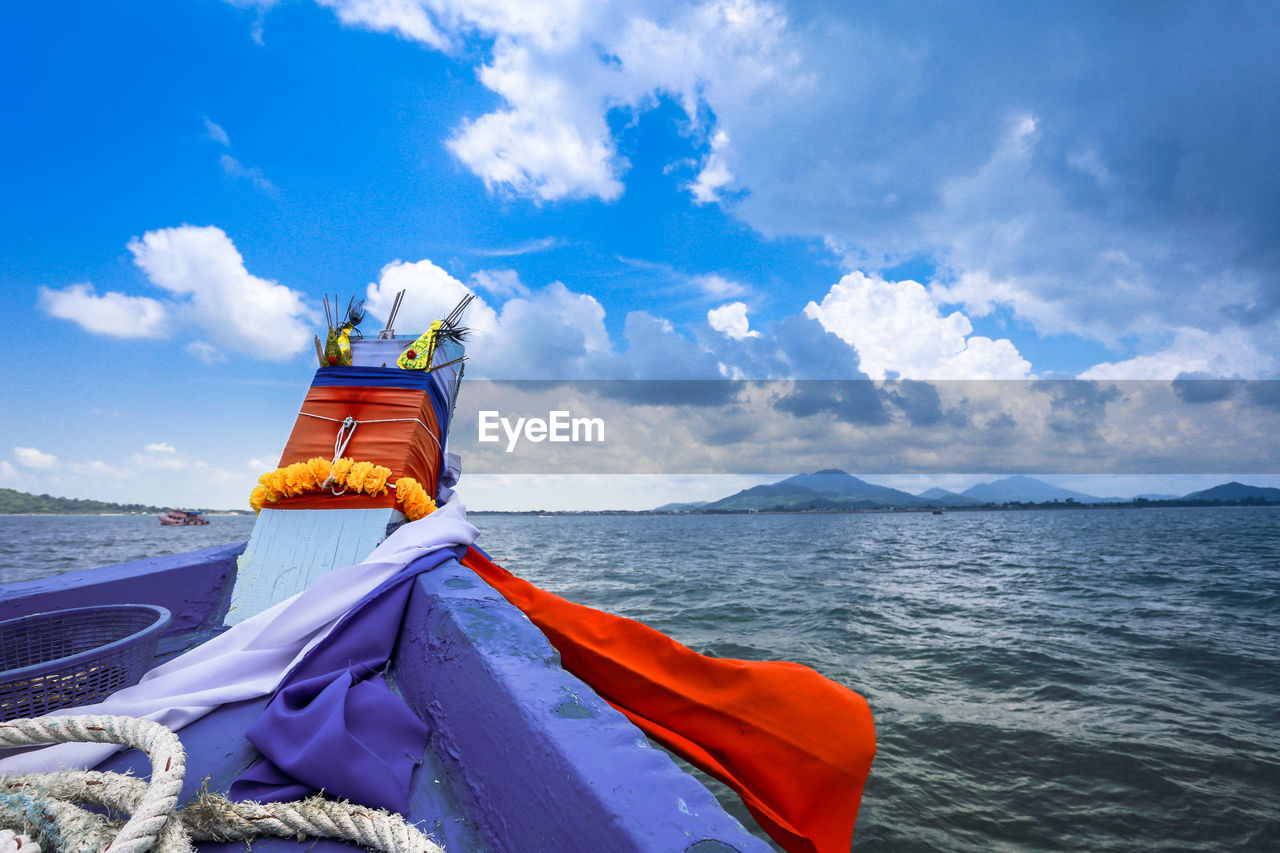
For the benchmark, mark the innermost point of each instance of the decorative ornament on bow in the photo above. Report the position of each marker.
(337, 346)
(421, 354)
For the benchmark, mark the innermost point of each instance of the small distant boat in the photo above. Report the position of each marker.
(937, 512)
(182, 518)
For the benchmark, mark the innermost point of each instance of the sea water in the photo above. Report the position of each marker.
(1041, 680)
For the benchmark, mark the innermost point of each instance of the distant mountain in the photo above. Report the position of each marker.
(943, 497)
(937, 493)
(1021, 489)
(774, 496)
(23, 503)
(840, 485)
(1236, 492)
(833, 489)
(829, 489)
(680, 507)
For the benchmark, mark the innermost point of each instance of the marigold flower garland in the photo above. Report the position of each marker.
(344, 475)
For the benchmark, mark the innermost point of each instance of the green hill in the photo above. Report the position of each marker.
(1234, 492)
(22, 503)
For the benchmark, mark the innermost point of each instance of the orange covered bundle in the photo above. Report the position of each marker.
(397, 427)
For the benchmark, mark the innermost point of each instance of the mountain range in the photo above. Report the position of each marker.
(833, 489)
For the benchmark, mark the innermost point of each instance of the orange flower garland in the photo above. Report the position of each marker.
(344, 475)
(413, 499)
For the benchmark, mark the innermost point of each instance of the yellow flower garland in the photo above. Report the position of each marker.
(346, 474)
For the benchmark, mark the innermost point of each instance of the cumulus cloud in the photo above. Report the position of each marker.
(549, 332)
(30, 457)
(239, 311)
(899, 332)
(552, 333)
(112, 313)
(546, 332)
(160, 447)
(731, 320)
(430, 293)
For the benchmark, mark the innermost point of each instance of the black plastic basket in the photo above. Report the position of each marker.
(75, 657)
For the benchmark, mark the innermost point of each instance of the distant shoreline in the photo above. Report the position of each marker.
(209, 513)
(918, 510)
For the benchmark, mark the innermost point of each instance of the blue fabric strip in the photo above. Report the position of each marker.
(373, 377)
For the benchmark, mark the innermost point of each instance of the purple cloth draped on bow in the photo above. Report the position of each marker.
(333, 723)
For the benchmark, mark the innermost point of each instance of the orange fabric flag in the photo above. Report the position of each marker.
(794, 745)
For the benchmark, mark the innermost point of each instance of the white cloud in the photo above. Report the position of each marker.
(542, 244)
(731, 320)
(980, 294)
(547, 332)
(552, 333)
(546, 24)
(233, 168)
(160, 447)
(215, 132)
(405, 18)
(113, 314)
(1227, 355)
(561, 65)
(239, 311)
(7, 472)
(96, 467)
(206, 352)
(715, 174)
(547, 145)
(718, 287)
(154, 460)
(500, 283)
(556, 332)
(430, 293)
(898, 331)
(30, 457)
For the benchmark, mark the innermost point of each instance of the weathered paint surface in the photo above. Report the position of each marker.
(546, 763)
(194, 586)
(290, 548)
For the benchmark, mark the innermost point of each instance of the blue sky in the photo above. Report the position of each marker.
(635, 190)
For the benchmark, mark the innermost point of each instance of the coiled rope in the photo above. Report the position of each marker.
(40, 805)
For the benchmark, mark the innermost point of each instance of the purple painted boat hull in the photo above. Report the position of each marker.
(523, 756)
